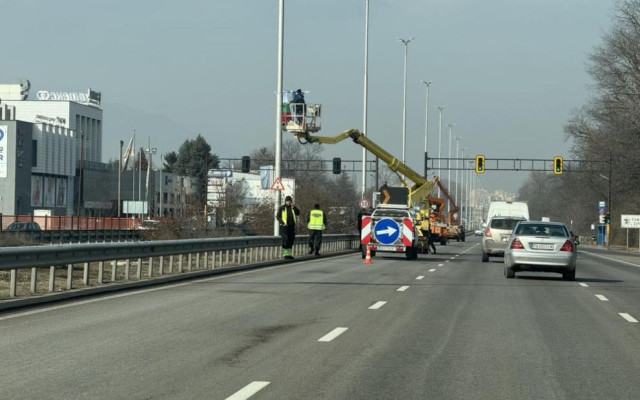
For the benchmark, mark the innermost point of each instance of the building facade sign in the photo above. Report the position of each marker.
(4, 144)
(91, 97)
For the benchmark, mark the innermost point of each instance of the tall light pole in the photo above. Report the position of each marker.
(457, 156)
(151, 151)
(366, 87)
(278, 154)
(440, 145)
(449, 162)
(120, 182)
(426, 123)
(405, 42)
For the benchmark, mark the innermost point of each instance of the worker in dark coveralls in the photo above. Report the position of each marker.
(287, 216)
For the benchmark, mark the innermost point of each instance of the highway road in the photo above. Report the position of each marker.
(445, 326)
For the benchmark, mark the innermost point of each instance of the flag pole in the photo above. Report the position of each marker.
(120, 182)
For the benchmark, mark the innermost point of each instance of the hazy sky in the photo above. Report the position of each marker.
(508, 71)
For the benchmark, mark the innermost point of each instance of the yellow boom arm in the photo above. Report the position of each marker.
(418, 192)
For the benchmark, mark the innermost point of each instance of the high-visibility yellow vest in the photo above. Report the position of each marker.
(284, 215)
(316, 220)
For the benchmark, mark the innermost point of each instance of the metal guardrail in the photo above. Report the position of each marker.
(75, 236)
(86, 265)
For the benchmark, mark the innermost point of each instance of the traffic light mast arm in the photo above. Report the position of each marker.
(422, 187)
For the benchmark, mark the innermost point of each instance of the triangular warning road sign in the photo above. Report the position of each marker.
(277, 184)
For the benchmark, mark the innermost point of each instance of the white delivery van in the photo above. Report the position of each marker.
(508, 209)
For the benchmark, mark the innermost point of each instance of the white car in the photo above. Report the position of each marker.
(478, 232)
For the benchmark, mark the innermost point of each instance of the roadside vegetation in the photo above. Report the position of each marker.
(606, 128)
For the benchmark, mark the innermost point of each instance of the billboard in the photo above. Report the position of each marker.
(4, 143)
(630, 221)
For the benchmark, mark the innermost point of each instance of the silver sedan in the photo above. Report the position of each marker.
(541, 246)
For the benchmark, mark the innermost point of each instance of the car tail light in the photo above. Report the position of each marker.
(567, 246)
(487, 232)
(516, 244)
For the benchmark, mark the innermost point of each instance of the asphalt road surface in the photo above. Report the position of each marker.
(445, 326)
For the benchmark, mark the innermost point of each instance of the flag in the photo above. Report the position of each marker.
(127, 155)
(148, 175)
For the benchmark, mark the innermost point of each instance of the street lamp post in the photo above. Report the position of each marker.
(449, 161)
(366, 87)
(457, 156)
(405, 42)
(426, 123)
(440, 145)
(278, 161)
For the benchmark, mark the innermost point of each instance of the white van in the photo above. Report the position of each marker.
(519, 209)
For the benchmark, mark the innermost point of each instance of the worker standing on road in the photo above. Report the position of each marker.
(317, 222)
(287, 216)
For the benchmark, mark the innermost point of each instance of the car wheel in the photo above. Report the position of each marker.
(373, 253)
(485, 257)
(569, 276)
(443, 242)
(509, 273)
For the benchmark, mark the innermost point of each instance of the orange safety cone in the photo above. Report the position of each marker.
(367, 259)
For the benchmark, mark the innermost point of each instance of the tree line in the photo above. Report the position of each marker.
(606, 128)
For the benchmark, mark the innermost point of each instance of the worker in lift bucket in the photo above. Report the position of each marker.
(297, 106)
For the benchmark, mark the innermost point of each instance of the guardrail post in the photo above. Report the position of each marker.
(171, 264)
(114, 268)
(150, 267)
(244, 256)
(139, 270)
(100, 272)
(34, 280)
(85, 274)
(161, 265)
(180, 263)
(69, 276)
(226, 259)
(14, 283)
(189, 262)
(206, 260)
(197, 261)
(213, 260)
(52, 278)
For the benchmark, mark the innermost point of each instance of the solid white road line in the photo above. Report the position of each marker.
(432, 270)
(628, 317)
(601, 297)
(583, 284)
(402, 288)
(248, 391)
(377, 305)
(421, 277)
(440, 265)
(457, 255)
(332, 335)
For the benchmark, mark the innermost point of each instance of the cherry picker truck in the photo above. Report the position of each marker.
(407, 228)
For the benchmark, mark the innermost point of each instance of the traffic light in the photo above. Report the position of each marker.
(337, 165)
(480, 164)
(246, 164)
(557, 165)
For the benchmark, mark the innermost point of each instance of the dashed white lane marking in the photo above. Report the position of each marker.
(446, 261)
(402, 288)
(440, 265)
(628, 317)
(332, 335)
(377, 305)
(601, 297)
(457, 255)
(583, 284)
(421, 277)
(248, 391)
(432, 270)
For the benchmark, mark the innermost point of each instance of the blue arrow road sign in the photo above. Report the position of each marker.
(386, 231)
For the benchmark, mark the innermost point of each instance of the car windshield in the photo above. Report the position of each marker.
(504, 223)
(541, 230)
